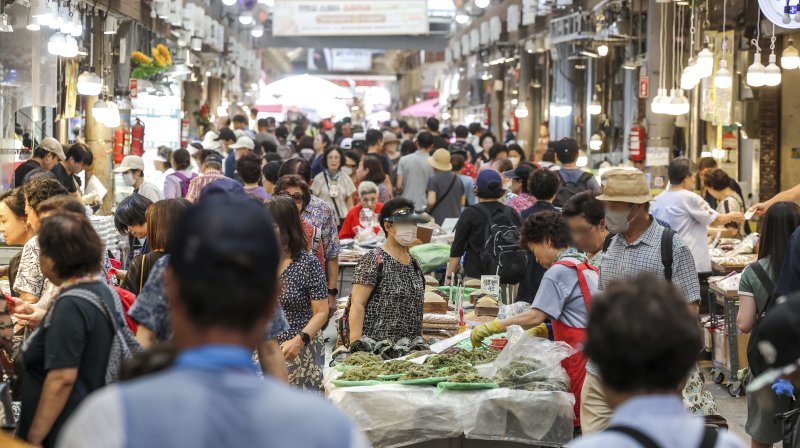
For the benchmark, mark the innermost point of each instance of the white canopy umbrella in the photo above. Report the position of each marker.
(306, 87)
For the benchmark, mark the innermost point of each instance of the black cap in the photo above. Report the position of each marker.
(226, 134)
(566, 149)
(522, 172)
(213, 158)
(229, 240)
(225, 188)
(779, 341)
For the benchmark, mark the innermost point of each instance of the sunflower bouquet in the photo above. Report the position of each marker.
(147, 66)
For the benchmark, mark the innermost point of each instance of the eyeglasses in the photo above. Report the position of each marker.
(297, 197)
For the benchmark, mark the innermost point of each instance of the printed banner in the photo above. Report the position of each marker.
(349, 17)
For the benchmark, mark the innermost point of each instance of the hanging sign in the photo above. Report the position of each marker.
(349, 18)
(776, 10)
(644, 87)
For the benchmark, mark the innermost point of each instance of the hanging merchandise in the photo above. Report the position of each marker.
(705, 58)
(137, 138)
(678, 103)
(723, 79)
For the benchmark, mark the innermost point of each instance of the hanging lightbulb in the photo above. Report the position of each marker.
(70, 49)
(786, 18)
(682, 106)
(594, 107)
(77, 26)
(89, 84)
(705, 63)
(246, 19)
(41, 11)
(257, 32)
(462, 18)
(602, 50)
(689, 78)
(521, 111)
(755, 73)
(596, 142)
(482, 3)
(723, 78)
(112, 118)
(790, 58)
(100, 111)
(772, 73)
(56, 44)
(228, 2)
(660, 102)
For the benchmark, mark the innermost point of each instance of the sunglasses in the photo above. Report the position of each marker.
(297, 197)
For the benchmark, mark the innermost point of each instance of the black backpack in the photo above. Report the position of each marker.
(754, 359)
(501, 253)
(570, 189)
(666, 250)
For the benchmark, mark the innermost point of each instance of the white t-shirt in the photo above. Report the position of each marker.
(689, 215)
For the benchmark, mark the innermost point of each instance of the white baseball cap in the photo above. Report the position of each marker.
(243, 142)
(130, 163)
(210, 141)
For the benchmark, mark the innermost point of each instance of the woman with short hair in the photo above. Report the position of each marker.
(370, 169)
(368, 199)
(66, 358)
(333, 187)
(129, 219)
(718, 185)
(303, 297)
(294, 187)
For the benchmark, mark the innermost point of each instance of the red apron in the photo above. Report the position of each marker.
(575, 365)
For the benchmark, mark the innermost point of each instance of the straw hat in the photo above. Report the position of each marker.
(625, 185)
(440, 160)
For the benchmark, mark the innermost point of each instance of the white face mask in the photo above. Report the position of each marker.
(514, 161)
(128, 179)
(405, 234)
(347, 171)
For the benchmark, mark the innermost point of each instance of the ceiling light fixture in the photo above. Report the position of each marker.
(790, 58)
(228, 2)
(483, 4)
(246, 18)
(521, 111)
(462, 18)
(257, 31)
(602, 50)
(772, 73)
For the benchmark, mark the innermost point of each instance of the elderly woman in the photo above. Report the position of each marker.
(303, 296)
(16, 231)
(388, 287)
(368, 200)
(332, 186)
(161, 219)
(564, 295)
(294, 187)
(66, 358)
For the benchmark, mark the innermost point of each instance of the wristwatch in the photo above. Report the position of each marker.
(305, 337)
(333, 292)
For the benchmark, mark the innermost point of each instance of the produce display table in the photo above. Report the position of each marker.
(393, 415)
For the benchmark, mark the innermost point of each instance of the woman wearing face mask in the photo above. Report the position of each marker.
(332, 186)
(515, 154)
(388, 287)
(132, 170)
(564, 296)
(587, 224)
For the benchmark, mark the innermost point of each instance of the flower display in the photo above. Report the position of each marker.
(145, 66)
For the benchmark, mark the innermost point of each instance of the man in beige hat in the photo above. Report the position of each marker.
(640, 245)
(46, 155)
(132, 170)
(445, 189)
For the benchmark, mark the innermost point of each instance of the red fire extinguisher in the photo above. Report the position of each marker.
(119, 144)
(638, 140)
(137, 138)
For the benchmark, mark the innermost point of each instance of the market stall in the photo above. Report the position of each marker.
(455, 396)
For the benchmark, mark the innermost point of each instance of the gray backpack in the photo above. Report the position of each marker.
(124, 344)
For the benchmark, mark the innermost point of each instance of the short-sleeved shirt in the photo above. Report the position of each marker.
(573, 174)
(23, 169)
(469, 184)
(151, 309)
(150, 191)
(448, 198)
(470, 234)
(689, 215)
(302, 282)
(320, 214)
(522, 202)
(321, 188)
(560, 295)
(197, 184)
(750, 285)
(173, 184)
(64, 178)
(74, 334)
(732, 203)
(623, 261)
(416, 171)
(258, 192)
(30, 278)
(394, 311)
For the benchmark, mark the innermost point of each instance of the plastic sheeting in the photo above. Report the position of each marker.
(393, 415)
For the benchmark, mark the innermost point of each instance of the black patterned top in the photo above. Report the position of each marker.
(395, 309)
(301, 282)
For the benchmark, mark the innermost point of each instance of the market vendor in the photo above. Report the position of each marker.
(368, 199)
(388, 285)
(564, 296)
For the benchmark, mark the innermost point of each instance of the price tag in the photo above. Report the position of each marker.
(491, 284)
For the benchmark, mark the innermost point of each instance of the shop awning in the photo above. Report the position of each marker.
(427, 108)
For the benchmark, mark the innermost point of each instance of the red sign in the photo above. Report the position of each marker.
(133, 86)
(644, 86)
